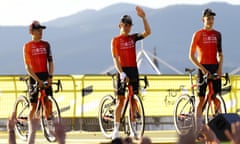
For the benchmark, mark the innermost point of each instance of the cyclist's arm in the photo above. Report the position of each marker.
(50, 60)
(116, 58)
(147, 29)
(28, 67)
(220, 55)
(51, 68)
(117, 65)
(220, 63)
(50, 72)
(192, 55)
(50, 64)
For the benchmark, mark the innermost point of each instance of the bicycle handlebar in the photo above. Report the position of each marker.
(207, 76)
(145, 80)
(58, 83)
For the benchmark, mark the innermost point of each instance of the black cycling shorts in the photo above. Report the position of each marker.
(33, 93)
(201, 90)
(132, 74)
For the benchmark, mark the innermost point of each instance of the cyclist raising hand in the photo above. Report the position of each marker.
(124, 56)
(208, 43)
(38, 64)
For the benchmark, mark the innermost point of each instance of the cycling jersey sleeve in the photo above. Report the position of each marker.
(138, 36)
(49, 53)
(219, 42)
(114, 47)
(26, 54)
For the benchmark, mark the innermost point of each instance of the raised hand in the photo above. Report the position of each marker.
(140, 12)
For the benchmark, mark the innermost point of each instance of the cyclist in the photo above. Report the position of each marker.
(38, 62)
(124, 57)
(208, 43)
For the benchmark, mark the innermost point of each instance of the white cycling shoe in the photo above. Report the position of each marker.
(115, 134)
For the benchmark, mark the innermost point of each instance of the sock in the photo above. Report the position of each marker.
(116, 126)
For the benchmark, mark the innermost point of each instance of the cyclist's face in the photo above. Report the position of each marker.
(125, 28)
(208, 21)
(37, 34)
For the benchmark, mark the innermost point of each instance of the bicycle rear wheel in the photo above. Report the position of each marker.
(184, 120)
(48, 125)
(22, 110)
(212, 110)
(138, 124)
(106, 115)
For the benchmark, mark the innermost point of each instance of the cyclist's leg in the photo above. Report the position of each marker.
(118, 108)
(48, 104)
(33, 96)
(217, 84)
(133, 75)
(200, 102)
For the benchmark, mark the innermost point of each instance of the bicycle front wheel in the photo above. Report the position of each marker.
(137, 119)
(22, 110)
(48, 124)
(213, 110)
(184, 120)
(106, 115)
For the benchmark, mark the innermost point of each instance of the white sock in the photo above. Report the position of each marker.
(116, 126)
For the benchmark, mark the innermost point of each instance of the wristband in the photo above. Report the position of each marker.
(50, 76)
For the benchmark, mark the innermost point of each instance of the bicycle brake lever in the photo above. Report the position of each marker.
(227, 79)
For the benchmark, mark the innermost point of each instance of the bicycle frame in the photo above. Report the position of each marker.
(22, 105)
(132, 117)
(128, 101)
(46, 105)
(208, 79)
(129, 95)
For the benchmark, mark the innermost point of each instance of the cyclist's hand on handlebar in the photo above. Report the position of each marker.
(41, 84)
(122, 76)
(49, 82)
(219, 72)
(205, 71)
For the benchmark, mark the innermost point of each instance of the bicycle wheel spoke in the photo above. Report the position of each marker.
(214, 108)
(47, 121)
(106, 115)
(137, 120)
(22, 110)
(184, 115)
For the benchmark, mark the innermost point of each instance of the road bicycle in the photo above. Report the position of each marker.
(22, 106)
(184, 109)
(107, 107)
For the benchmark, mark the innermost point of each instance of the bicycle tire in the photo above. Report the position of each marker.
(21, 108)
(139, 116)
(106, 115)
(210, 109)
(184, 120)
(56, 117)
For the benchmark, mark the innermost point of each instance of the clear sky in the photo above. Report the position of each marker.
(22, 12)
